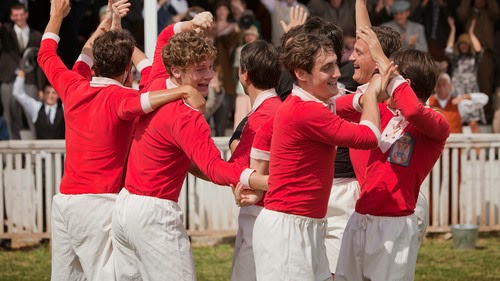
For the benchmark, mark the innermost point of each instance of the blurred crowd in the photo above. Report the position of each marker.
(462, 35)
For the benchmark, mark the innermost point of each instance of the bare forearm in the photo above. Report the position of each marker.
(362, 18)
(54, 24)
(258, 181)
(159, 98)
(370, 109)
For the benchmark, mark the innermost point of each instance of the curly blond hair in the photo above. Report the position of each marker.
(187, 48)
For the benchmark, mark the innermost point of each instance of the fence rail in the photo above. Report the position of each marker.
(463, 187)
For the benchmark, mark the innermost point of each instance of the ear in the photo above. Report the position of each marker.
(301, 74)
(176, 72)
(409, 81)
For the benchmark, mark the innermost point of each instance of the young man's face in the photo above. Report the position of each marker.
(364, 65)
(19, 17)
(198, 75)
(322, 81)
(50, 96)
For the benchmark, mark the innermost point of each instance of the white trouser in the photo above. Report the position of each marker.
(150, 240)
(345, 193)
(379, 248)
(243, 261)
(289, 247)
(81, 239)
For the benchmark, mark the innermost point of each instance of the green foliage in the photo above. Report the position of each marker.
(437, 261)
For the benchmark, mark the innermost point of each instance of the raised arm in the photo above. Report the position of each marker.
(30, 105)
(298, 16)
(362, 17)
(476, 45)
(451, 36)
(202, 20)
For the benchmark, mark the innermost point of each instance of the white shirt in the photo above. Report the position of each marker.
(29, 104)
(25, 33)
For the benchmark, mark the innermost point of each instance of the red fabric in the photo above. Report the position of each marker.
(255, 121)
(263, 137)
(99, 123)
(390, 189)
(83, 69)
(303, 148)
(158, 68)
(165, 143)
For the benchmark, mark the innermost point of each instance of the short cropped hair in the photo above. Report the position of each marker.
(187, 48)
(261, 61)
(301, 51)
(390, 39)
(112, 53)
(420, 68)
(320, 27)
(17, 6)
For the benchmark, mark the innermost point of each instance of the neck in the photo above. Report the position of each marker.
(306, 88)
(252, 93)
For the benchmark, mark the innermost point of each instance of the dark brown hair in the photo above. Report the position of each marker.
(301, 51)
(420, 68)
(261, 61)
(112, 53)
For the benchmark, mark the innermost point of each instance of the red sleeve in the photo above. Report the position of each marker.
(324, 126)
(83, 69)
(263, 136)
(158, 69)
(345, 109)
(60, 77)
(428, 121)
(127, 103)
(192, 134)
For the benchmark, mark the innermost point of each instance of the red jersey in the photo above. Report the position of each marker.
(99, 115)
(303, 147)
(263, 109)
(165, 144)
(394, 172)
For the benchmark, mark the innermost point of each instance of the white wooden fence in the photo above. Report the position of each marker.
(464, 187)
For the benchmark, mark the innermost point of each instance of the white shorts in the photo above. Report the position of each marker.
(345, 193)
(243, 261)
(150, 240)
(379, 248)
(289, 247)
(422, 213)
(81, 238)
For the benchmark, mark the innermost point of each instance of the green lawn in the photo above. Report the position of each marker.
(437, 261)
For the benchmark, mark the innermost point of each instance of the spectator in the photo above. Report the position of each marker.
(433, 15)
(412, 33)
(14, 40)
(242, 104)
(226, 40)
(47, 115)
(484, 13)
(442, 100)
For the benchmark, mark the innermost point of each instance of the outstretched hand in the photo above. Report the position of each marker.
(298, 16)
(203, 21)
(119, 9)
(59, 8)
(380, 80)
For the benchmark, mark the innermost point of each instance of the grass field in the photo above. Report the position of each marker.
(437, 261)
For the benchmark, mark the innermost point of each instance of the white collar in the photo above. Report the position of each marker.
(264, 95)
(305, 96)
(362, 88)
(104, 82)
(443, 102)
(18, 29)
(54, 106)
(170, 84)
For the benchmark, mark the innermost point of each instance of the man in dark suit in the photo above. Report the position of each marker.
(15, 38)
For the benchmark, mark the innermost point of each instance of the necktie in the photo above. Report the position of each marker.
(48, 116)
(20, 40)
